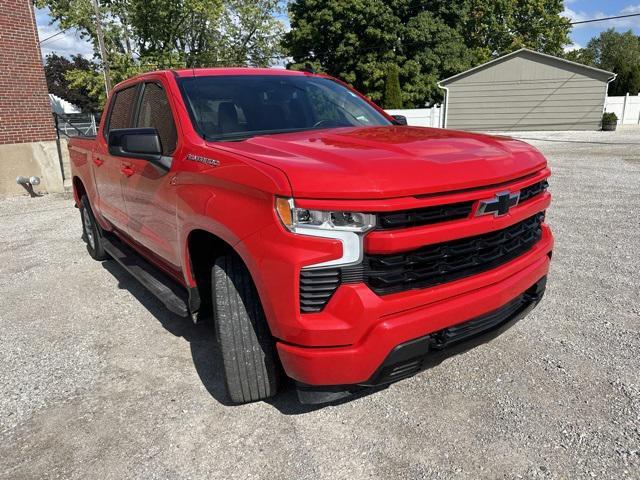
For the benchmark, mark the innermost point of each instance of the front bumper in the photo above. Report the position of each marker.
(413, 356)
(390, 325)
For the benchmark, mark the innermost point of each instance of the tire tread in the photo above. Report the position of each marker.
(245, 341)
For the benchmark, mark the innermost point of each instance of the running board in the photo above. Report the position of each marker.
(169, 292)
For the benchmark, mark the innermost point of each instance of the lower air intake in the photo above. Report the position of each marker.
(317, 287)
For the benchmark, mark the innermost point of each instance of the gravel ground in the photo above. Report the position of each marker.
(99, 381)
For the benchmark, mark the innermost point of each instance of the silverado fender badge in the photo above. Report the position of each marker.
(200, 159)
(498, 205)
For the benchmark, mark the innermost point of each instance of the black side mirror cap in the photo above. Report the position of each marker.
(400, 119)
(141, 143)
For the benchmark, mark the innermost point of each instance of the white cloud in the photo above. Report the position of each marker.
(630, 9)
(65, 44)
(581, 16)
(626, 23)
(618, 23)
(572, 46)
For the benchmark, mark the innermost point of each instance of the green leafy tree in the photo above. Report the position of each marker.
(352, 39)
(616, 52)
(427, 39)
(143, 35)
(392, 92)
(56, 69)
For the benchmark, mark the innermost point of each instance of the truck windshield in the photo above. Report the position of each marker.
(241, 106)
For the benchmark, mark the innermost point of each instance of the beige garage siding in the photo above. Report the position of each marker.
(526, 91)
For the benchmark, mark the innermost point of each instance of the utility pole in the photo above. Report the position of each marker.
(103, 51)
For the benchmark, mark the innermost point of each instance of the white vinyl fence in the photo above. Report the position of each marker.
(626, 108)
(421, 117)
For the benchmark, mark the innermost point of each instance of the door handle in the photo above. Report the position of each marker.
(98, 161)
(127, 170)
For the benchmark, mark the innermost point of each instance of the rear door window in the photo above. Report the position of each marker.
(122, 110)
(155, 112)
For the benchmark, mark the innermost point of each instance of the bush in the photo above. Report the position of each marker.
(609, 117)
(392, 92)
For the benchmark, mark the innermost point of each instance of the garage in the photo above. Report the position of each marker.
(526, 90)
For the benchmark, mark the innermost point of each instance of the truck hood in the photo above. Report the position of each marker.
(393, 161)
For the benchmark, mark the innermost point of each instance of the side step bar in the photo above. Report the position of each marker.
(173, 295)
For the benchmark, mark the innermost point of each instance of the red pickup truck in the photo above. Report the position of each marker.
(328, 241)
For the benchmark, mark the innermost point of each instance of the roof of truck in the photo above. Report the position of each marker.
(205, 72)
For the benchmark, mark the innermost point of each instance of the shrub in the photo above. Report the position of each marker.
(609, 117)
(392, 92)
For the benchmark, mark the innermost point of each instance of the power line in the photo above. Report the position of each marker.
(605, 18)
(54, 35)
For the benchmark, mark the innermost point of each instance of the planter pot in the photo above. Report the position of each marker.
(609, 127)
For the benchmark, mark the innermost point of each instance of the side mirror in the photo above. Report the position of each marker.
(400, 119)
(142, 143)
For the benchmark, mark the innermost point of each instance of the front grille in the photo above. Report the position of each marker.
(532, 190)
(424, 216)
(445, 262)
(443, 213)
(430, 265)
(317, 287)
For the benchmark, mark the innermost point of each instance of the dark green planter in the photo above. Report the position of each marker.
(609, 127)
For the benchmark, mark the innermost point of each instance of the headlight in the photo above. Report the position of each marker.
(296, 218)
(348, 227)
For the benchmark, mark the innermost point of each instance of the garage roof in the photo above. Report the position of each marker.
(589, 71)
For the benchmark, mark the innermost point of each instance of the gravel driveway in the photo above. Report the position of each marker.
(97, 380)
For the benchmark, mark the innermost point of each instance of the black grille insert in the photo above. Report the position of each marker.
(532, 190)
(424, 216)
(445, 262)
(317, 287)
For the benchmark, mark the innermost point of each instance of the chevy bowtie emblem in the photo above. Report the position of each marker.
(499, 205)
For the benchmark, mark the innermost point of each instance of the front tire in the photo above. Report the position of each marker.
(247, 348)
(90, 231)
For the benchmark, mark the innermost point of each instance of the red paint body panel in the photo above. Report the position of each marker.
(370, 169)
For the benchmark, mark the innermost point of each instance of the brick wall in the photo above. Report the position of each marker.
(25, 112)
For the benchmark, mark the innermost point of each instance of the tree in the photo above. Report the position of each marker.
(351, 39)
(56, 70)
(356, 40)
(392, 93)
(143, 35)
(428, 39)
(616, 52)
(496, 27)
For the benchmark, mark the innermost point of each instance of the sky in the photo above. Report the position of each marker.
(69, 43)
(578, 10)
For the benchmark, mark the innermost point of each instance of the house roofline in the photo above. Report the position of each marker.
(442, 83)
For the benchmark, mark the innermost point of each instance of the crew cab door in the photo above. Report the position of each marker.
(148, 193)
(108, 169)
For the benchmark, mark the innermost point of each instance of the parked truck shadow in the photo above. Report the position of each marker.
(204, 348)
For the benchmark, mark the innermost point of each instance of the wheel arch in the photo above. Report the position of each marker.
(79, 189)
(201, 250)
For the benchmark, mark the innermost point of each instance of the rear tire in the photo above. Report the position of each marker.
(90, 231)
(247, 348)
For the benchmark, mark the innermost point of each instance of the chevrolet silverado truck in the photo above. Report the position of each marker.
(327, 241)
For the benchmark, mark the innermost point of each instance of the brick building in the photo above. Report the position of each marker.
(27, 133)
